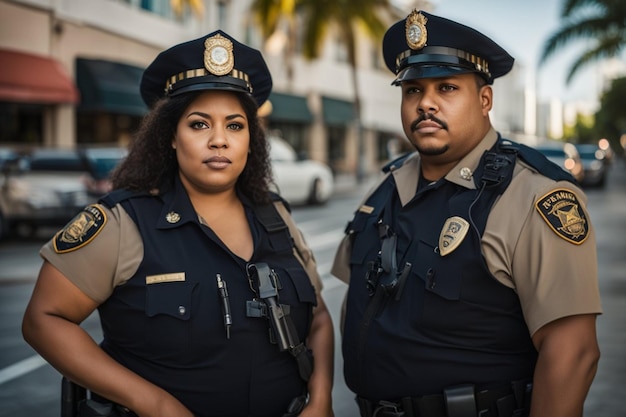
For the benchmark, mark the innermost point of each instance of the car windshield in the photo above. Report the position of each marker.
(102, 167)
(57, 161)
(102, 161)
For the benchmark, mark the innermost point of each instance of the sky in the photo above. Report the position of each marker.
(522, 27)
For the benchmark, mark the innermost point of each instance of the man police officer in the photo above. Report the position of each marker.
(472, 266)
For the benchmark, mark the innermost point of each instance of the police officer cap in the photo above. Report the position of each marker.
(428, 46)
(213, 62)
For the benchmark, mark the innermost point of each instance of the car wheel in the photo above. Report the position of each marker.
(315, 196)
(26, 230)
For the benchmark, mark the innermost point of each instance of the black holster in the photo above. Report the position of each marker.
(75, 403)
(296, 406)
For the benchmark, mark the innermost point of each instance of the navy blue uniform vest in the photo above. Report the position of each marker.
(453, 322)
(173, 334)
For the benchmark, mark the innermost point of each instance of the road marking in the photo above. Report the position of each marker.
(21, 368)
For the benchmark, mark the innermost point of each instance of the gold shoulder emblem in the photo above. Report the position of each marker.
(561, 211)
(81, 230)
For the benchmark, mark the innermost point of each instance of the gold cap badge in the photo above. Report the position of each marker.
(218, 55)
(416, 33)
(452, 234)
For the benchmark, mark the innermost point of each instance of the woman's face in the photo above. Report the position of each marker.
(212, 141)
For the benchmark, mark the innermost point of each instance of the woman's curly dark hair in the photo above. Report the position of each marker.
(151, 162)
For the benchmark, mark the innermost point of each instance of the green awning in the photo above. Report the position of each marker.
(289, 108)
(337, 112)
(109, 86)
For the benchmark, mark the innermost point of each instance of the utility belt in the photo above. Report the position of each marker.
(457, 401)
(76, 401)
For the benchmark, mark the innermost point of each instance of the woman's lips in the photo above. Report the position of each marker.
(217, 162)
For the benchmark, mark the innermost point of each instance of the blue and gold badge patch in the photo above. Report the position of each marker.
(561, 210)
(80, 230)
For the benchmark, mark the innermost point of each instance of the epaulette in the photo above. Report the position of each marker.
(117, 196)
(397, 163)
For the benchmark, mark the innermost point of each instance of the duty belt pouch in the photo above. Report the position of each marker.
(460, 401)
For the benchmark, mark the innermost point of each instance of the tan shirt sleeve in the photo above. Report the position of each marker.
(552, 276)
(108, 260)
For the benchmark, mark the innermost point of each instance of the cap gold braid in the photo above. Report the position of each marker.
(479, 63)
(202, 72)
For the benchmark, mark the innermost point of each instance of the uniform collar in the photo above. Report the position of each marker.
(177, 208)
(462, 173)
(407, 176)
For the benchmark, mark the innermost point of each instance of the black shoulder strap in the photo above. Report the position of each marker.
(117, 196)
(543, 165)
(273, 223)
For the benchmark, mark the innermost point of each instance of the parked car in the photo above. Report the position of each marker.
(7, 156)
(595, 164)
(100, 162)
(299, 181)
(47, 187)
(565, 155)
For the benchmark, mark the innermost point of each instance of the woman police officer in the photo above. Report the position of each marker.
(169, 259)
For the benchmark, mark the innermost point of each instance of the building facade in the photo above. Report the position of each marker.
(71, 71)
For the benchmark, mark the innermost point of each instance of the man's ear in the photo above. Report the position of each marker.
(486, 98)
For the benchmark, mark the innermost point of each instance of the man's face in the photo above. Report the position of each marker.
(445, 118)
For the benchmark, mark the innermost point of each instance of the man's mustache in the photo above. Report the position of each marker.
(427, 116)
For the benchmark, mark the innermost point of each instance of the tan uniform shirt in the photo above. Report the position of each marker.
(552, 276)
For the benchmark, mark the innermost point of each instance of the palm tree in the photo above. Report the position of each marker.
(196, 6)
(270, 15)
(604, 21)
(318, 18)
(346, 16)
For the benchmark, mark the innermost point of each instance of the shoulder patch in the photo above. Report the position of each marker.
(561, 210)
(81, 230)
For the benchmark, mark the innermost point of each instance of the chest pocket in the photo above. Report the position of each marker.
(173, 299)
(170, 307)
(439, 275)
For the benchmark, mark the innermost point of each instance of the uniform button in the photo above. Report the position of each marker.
(182, 310)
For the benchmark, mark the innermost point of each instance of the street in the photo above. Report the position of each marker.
(31, 388)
